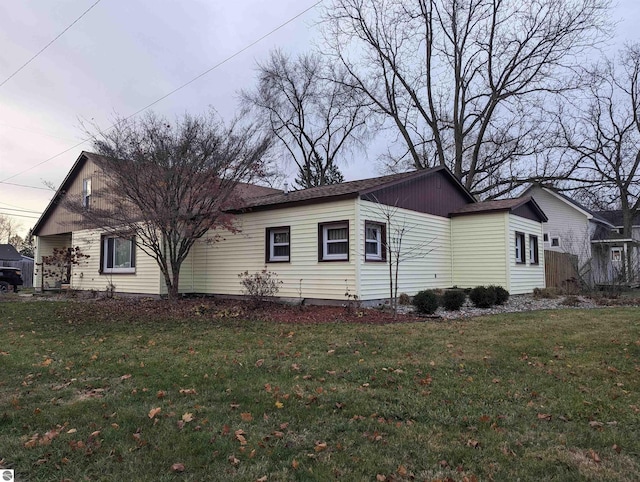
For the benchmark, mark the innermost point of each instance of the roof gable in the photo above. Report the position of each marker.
(9, 253)
(568, 201)
(524, 206)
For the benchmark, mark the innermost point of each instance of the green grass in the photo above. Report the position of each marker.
(535, 396)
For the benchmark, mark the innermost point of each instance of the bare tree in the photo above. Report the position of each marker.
(604, 136)
(8, 228)
(315, 119)
(167, 185)
(467, 83)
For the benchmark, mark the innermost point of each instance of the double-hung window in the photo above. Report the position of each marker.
(533, 250)
(333, 241)
(278, 247)
(118, 255)
(374, 241)
(520, 248)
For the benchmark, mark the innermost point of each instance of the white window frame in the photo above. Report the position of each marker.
(86, 193)
(520, 242)
(619, 251)
(272, 244)
(105, 256)
(377, 227)
(326, 242)
(554, 245)
(534, 256)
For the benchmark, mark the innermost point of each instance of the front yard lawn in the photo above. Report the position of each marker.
(92, 392)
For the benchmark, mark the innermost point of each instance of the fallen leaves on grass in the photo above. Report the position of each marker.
(179, 467)
(154, 411)
(187, 417)
(246, 416)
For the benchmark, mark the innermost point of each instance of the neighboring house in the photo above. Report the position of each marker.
(9, 256)
(593, 237)
(617, 250)
(324, 241)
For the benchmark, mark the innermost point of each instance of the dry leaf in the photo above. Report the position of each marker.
(595, 424)
(262, 479)
(154, 411)
(279, 404)
(295, 464)
(473, 443)
(240, 437)
(246, 416)
(188, 391)
(259, 363)
(320, 446)
(402, 470)
(187, 417)
(544, 416)
(72, 430)
(161, 394)
(594, 456)
(234, 460)
(381, 478)
(125, 377)
(177, 467)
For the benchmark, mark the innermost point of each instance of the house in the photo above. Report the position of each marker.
(592, 237)
(620, 255)
(9, 256)
(324, 241)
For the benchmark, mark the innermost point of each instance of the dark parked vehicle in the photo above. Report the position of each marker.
(10, 277)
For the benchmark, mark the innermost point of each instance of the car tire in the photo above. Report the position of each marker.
(4, 287)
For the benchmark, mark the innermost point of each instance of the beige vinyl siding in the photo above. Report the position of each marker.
(87, 276)
(216, 265)
(44, 247)
(426, 245)
(61, 220)
(525, 277)
(479, 246)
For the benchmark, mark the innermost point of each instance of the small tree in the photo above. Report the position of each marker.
(166, 185)
(58, 265)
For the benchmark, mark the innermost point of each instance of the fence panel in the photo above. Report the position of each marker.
(560, 269)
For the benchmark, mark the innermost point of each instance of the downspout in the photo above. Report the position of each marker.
(357, 247)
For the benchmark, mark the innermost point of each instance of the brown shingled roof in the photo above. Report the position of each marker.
(499, 205)
(342, 190)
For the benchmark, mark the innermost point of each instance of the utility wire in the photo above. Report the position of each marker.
(49, 44)
(219, 64)
(20, 215)
(21, 210)
(23, 185)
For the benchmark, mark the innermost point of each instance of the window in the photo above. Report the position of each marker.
(616, 255)
(374, 242)
(117, 255)
(520, 248)
(333, 241)
(555, 242)
(533, 249)
(545, 237)
(86, 193)
(278, 245)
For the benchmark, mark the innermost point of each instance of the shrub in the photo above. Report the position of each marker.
(452, 300)
(502, 295)
(483, 296)
(545, 293)
(426, 302)
(259, 285)
(404, 299)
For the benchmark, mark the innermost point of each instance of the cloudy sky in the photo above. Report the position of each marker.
(123, 55)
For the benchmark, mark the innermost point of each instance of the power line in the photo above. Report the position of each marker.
(219, 64)
(30, 187)
(20, 215)
(21, 210)
(49, 44)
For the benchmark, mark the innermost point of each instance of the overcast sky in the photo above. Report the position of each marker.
(125, 54)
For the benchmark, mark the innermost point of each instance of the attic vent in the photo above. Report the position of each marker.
(286, 188)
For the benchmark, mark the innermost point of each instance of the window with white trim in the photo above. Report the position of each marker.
(374, 242)
(333, 241)
(278, 244)
(616, 255)
(555, 242)
(86, 193)
(118, 255)
(533, 250)
(520, 248)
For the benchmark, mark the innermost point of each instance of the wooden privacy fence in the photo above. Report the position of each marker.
(27, 270)
(560, 269)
